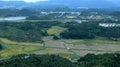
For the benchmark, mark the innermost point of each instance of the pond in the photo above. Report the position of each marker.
(12, 18)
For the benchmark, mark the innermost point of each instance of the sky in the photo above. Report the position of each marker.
(114, 1)
(26, 0)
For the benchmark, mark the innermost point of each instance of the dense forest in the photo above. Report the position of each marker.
(37, 61)
(90, 30)
(105, 60)
(90, 60)
(1, 47)
(17, 12)
(34, 31)
(24, 31)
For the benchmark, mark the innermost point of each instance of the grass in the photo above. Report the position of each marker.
(99, 41)
(4, 40)
(12, 48)
(56, 30)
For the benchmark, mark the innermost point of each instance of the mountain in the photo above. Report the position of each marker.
(69, 3)
(12, 3)
(83, 3)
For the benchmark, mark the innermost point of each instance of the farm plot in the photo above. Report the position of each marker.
(64, 48)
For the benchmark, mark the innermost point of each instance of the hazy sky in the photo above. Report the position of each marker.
(115, 1)
(26, 0)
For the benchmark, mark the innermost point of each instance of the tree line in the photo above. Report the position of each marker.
(89, 60)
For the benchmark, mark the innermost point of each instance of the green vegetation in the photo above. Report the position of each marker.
(37, 61)
(90, 30)
(98, 41)
(28, 31)
(68, 56)
(25, 31)
(56, 30)
(90, 60)
(4, 40)
(1, 47)
(12, 48)
(18, 39)
(16, 12)
(105, 60)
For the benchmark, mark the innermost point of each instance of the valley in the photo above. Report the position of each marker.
(54, 34)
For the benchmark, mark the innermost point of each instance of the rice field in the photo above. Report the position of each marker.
(12, 48)
(70, 49)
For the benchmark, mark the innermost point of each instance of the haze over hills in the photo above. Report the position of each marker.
(84, 3)
(69, 3)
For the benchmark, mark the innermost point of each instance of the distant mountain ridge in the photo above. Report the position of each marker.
(69, 3)
(12, 3)
(85, 3)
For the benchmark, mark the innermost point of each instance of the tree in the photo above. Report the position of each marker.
(1, 47)
(103, 60)
(37, 61)
(55, 37)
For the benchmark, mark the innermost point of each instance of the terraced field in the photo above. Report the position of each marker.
(71, 49)
(76, 48)
(11, 48)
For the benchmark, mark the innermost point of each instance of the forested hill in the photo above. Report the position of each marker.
(37, 61)
(90, 60)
